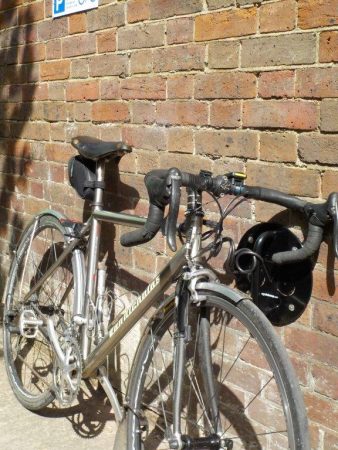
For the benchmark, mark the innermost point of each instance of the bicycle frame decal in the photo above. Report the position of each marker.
(134, 305)
(134, 313)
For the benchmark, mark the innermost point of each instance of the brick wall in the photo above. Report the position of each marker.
(214, 84)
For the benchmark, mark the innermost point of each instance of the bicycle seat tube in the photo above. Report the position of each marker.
(93, 254)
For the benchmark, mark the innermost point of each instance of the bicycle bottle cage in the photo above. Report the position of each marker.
(82, 177)
(281, 292)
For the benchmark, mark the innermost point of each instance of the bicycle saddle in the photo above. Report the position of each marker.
(95, 149)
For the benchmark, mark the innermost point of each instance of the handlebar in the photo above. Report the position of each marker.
(164, 188)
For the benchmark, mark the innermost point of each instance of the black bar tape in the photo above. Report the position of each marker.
(273, 196)
(310, 246)
(148, 232)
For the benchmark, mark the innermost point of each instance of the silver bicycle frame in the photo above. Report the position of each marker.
(124, 323)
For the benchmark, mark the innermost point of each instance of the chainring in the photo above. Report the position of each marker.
(67, 376)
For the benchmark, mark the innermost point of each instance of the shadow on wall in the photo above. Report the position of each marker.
(17, 89)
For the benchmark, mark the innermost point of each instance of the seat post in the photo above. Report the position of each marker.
(98, 194)
(93, 253)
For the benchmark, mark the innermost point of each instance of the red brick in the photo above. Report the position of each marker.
(36, 131)
(182, 113)
(278, 147)
(143, 112)
(141, 61)
(53, 49)
(56, 173)
(318, 148)
(328, 46)
(216, 4)
(106, 17)
(160, 9)
(146, 138)
(58, 152)
(54, 111)
(314, 13)
(285, 179)
(144, 88)
(110, 89)
(106, 41)
(78, 45)
(326, 317)
(324, 286)
(31, 13)
(58, 70)
(82, 111)
(331, 440)
(138, 10)
(279, 16)
(31, 93)
(53, 29)
(147, 161)
(276, 84)
(329, 182)
(223, 55)
(8, 19)
(325, 381)
(312, 344)
(180, 30)
(288, 114)
(321, 410)
(329, 115)
(317, 82)
(236, 22)
(141, 36)
(31, 53)
(110, 111)
(180, 86)
(239, 143)
(283, 49)
(173, 59)
(79, 68)
(180, 140)
(33, 206)
(225, 114)
(184, 162)
(77, 23)
(108, 65)
(82, 90)
(225, 85)
(10, 4)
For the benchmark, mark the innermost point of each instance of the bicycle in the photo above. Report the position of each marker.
(210, 371)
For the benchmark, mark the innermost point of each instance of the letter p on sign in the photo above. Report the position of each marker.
(59, 6)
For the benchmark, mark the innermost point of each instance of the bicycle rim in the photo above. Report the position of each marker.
(259, 405)
(29, 361)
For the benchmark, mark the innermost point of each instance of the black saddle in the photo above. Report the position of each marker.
(94, 149)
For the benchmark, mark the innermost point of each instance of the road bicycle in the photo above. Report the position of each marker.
(210, 372)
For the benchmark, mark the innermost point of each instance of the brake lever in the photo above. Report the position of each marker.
(332, 203)
(174, 180)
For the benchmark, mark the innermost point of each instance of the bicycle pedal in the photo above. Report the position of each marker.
(29, 324)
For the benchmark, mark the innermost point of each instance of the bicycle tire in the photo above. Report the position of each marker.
(29, 361)
(247, 331)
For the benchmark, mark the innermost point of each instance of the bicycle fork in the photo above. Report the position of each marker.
(183, 334)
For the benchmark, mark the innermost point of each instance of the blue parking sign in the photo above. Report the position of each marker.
(65, 7)
(59, 6)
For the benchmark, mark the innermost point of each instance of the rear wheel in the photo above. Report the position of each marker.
(28, 354)
(240, 390)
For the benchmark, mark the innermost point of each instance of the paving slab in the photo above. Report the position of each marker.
(88, 424)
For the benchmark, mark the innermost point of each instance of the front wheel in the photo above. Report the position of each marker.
(240, 390)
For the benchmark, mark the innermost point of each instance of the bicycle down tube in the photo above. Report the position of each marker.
(122, 325)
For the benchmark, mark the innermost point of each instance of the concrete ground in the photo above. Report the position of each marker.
(89, 424)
